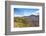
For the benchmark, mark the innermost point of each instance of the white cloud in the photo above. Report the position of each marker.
(18, 15)
(36, 13)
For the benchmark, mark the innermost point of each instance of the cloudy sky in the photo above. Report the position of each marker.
(25, 12)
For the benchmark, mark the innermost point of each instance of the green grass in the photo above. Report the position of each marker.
(21, 22)
(17, 24)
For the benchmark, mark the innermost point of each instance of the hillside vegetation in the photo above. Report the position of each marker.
(21, 22)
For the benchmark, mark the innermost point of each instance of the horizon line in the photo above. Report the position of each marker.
(23, 16)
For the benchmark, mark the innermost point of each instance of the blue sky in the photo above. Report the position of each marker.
(25, 11)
